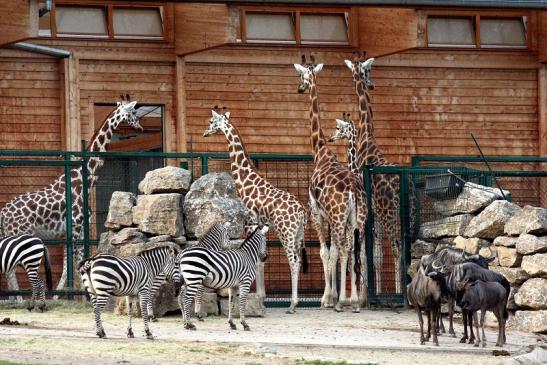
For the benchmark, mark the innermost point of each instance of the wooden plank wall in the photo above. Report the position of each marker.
(19, 20)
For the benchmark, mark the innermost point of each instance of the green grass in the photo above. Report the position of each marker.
(322, 362)
(65, 306)
(4, 362)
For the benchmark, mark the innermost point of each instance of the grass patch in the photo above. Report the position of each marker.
(326, 362)
(4, 362)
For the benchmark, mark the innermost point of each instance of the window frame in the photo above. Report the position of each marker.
(109, 12)
(296, 13)
(476, 16)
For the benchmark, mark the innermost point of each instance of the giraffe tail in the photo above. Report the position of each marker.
(47, 265)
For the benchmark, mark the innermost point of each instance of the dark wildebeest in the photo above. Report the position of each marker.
(442, 261)
(485, 296)
(424, 292)
(469, 272)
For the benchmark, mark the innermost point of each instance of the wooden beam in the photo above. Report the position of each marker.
(181, 106)
(70, 100)
(542, 118)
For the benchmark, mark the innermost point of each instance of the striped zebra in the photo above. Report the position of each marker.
(200, 267)
(27, 251)
(105, 275)
(216, 238)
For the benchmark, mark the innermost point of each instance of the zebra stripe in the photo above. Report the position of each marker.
(222, 269)
(106, 275)
(27, 251)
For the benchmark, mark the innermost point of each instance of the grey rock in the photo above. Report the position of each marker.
(413, 267)
(472, 199)
(490, 252)
(529, 321)
(508, 257)
(159, 214)
(119, 210)
(530, 219)
(511, 305)
(505, 241)
(212, 198)
(445, 227)
(420, 248)
(254, 308)
(535, 265)
(528, 244)
(167, 179)
(133, 250)
(160, 238)
(532, 294)
(515, 275)
(471, 245)
(538, 356)
(491, 221)
(126, 236)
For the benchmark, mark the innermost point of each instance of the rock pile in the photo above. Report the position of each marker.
(479, 221)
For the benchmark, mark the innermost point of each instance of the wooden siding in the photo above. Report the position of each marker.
(19, 20)
(542, 36)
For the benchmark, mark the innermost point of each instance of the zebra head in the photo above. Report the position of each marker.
(172, 271)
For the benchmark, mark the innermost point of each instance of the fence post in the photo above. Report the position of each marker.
(85, 198)
(69, 247)
(367, 180)
(404, 219)
(204, 165)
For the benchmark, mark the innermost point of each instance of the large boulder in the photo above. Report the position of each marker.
(254, 307)
(490, 252)
(159, 214)
(119, 210)
(110, 242)
(212, 198)
(529, 220)
(471, 245)
(505, 241)
(420, 248)
(472, 199)
(530, 321)
(490, 222)
(167, 179)
(532, 294)
(515, 275)
(528, 244)
(445, 227)
(535, 265)
(508, 257)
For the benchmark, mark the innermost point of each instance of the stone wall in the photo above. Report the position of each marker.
(480, 222)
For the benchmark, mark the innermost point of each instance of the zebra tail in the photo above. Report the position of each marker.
(47, 264)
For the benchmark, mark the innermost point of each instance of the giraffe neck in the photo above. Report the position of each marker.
(243, 170)
(352, 150)
(368, 152)
(318, 141)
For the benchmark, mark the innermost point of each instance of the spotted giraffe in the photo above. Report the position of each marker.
(385, 187)
(337, 202)
(265, 203)
(42, 213)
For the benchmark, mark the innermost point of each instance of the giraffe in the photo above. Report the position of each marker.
(337, 202)
(385, 187)
(43, 213)
(265, 204)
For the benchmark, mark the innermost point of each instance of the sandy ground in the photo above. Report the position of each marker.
(65, 335)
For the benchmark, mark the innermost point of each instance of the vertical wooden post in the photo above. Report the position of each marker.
(542, 119)
(72, 133)
(181, 106)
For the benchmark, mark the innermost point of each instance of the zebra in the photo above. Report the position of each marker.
(27, 251)
(216, 238)
(221, 269)
(105, 275)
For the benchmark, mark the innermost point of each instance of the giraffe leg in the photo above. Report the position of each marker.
(354, 298)
(378, 255)
(129, 302)
(342, 300)
(396, 248)
(363, 277)
(333, 272)
(319, 226)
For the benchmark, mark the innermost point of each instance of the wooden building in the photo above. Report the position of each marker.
(443, 69)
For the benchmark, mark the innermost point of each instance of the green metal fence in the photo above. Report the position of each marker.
(524, 176)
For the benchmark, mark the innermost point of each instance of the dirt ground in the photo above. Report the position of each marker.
(65, 335)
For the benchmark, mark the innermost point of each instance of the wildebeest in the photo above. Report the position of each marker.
(442, 261)
(424, 292)
(485, 296)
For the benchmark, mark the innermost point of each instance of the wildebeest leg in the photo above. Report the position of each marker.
(421, 323)
(440, 325)
(483, 314)
(428, 313)
(464, 319)
(451, 317)
(499, 316)
(476, 320)
(470, 319)
(435, 312)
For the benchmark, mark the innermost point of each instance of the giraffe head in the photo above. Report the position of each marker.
(125, 110)
(218, 122)
(360, 69)
(344, 128)
(307, 72)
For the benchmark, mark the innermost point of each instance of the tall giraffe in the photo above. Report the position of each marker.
(337, 201)
(43, 213)
(265, 203)
(385, 187)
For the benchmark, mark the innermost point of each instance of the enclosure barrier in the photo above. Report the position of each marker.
(124, 170)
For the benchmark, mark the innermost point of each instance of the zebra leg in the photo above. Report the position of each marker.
(99, 303)
(197, 303)
(230, 308)
(144, 296)
(37, 289)
(129, 302)
(244, 289)
(156, 285)
(185, 302)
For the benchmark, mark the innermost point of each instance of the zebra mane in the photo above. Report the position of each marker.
(250, 236)
(171, 248)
